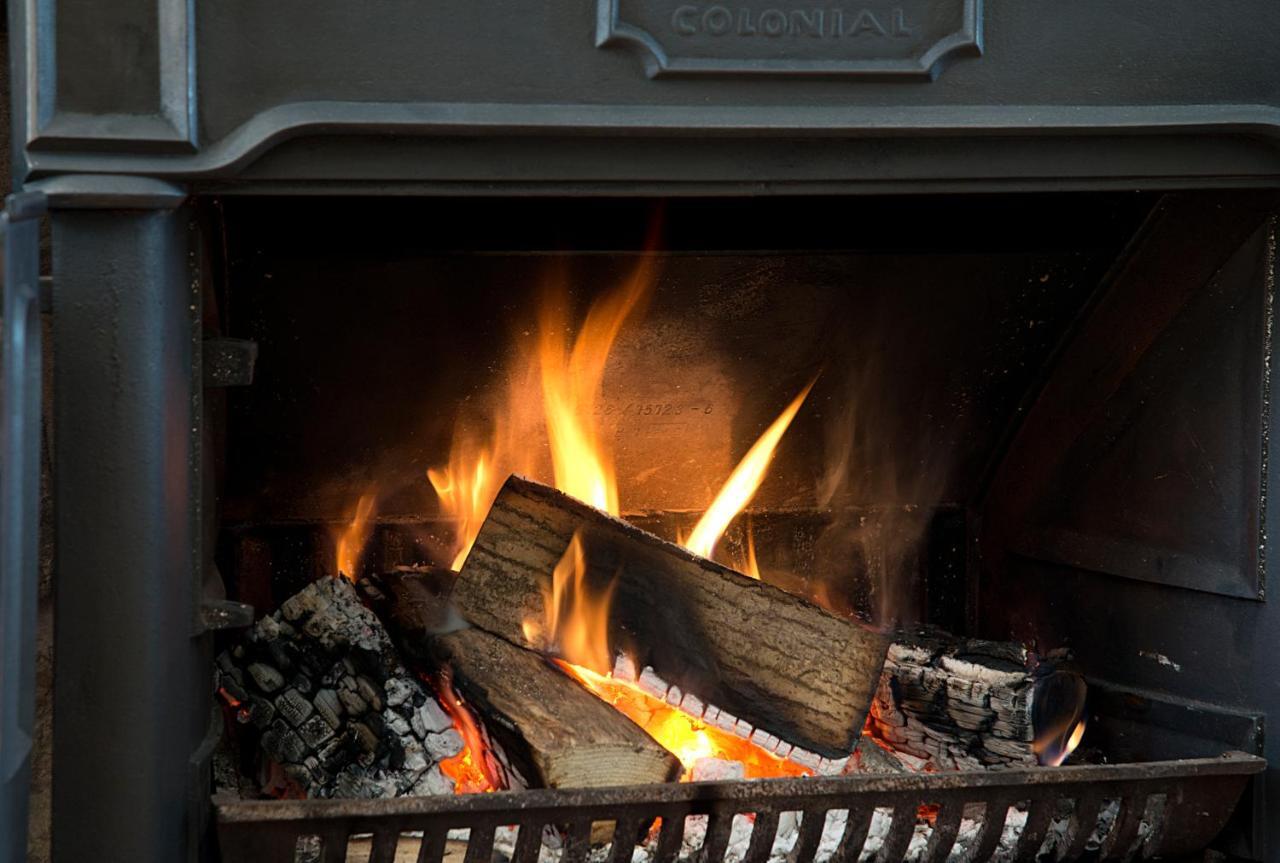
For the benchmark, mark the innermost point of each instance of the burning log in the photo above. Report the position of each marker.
(974, 704)
(320, 681)
(772, 660)
(555, 733)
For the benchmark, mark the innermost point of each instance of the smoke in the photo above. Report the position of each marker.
(883, 477)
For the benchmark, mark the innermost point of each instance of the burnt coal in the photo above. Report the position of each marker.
(321, 685)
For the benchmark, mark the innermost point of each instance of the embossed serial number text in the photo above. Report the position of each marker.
(818, 23)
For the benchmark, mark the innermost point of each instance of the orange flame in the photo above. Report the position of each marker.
(685, 736)
(553, 394)
(466, 489)
(747, 564)
(743, 482)
(352, 540)
(571, 380)
(1055, 746)
(576, 625)
(470, 769)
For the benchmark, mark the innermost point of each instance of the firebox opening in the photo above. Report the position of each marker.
(935, 328)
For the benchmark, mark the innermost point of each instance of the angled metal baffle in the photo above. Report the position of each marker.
(19, 513)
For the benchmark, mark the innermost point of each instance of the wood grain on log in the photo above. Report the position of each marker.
(556, 733)
(770, 658)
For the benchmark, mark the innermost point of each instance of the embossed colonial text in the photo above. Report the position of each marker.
(818, 23)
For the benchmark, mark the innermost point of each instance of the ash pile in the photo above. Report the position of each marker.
(323, 691)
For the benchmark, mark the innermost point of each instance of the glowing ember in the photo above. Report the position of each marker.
(470, 770)
(351, 541)
(743, 482)
(681, 734)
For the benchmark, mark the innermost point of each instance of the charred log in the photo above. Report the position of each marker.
(555, 733)
(321, 685)
(773, 660)
(970, 704)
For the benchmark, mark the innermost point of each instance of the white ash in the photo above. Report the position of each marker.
(648, 680)
(967, 837)
(321, 684)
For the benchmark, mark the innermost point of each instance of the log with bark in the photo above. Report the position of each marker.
(773, 660)
(554, 733)
(955, 703)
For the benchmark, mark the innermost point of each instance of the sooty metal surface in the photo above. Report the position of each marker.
(1196, 798)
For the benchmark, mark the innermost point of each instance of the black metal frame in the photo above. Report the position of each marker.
(354, 100)
(1200, 795)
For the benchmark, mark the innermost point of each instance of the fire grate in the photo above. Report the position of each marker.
(1157, 809)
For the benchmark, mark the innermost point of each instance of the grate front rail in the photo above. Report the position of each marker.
(1124, 811)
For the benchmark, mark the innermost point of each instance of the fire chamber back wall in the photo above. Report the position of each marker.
(928, 320)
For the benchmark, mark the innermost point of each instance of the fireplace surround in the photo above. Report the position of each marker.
(261, 214)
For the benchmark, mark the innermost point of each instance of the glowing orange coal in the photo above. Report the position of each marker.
(470, 770)
(685, 736)
(352, 540)
(743, 483)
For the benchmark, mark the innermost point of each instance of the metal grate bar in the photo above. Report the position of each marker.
(669, 837)
(763, 833)
(901, 829)
(814, 820)
(383, 849)
(432, 848)
(855, 833)
(625, 833)
(994, 815)
(1083, 821)
(528, 842)
(945, 829)
(1199, 795)
(719, 827)
(333, 846)
(1125, 832)
(1039, 815)
(479, 844)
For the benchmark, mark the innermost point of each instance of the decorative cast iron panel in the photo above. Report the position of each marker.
(784, 37)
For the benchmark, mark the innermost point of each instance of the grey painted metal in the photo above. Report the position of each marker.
(19, 514)
(409, 90)
(97, 191)
(1200, 795)
(754, 38)
(131, 693)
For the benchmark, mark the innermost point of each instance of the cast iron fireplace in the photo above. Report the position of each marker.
(1028, 250)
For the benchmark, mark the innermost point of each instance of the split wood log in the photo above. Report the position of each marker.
(554, 732)
(771, 659)
(960, 703)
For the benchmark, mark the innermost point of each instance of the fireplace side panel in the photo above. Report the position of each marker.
(132, 677)
(1130, 518)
